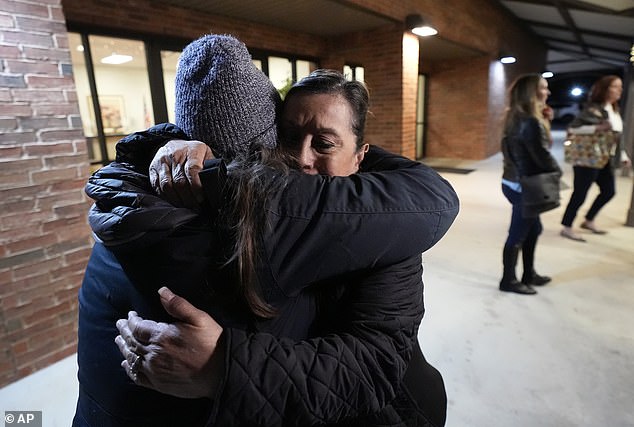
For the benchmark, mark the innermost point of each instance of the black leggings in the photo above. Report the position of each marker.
(584, 177)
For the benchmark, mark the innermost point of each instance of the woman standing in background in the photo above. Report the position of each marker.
(525, 146)
(600, 115)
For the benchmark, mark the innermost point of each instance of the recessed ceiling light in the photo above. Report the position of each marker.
(116, 59)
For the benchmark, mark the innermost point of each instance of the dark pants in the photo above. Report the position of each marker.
(521, 229)
(583, 179)
(523, 234)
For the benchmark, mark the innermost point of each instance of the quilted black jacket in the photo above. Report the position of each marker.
(270, 380)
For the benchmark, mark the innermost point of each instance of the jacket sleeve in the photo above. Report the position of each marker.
(127, 211)
(533, 135)
(324, 226)
(355, 371)
(138, 149)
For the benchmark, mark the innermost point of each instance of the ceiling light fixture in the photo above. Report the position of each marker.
(417, 25)
(116, 59)
(506, 58)
(547, 74)
(576, 91)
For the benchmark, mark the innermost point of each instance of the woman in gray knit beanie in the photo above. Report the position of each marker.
(223, 100)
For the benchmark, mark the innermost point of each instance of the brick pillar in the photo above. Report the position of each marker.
(409, 85)
(44, 237)
(390, 58)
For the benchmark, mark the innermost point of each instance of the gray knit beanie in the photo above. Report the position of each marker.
(222, 99)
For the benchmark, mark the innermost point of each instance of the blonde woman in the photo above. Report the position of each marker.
(525, 146)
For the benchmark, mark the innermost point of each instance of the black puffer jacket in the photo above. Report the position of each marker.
(270, 380)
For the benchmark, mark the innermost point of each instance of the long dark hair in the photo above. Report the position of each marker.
(252, 179)
(599, 91)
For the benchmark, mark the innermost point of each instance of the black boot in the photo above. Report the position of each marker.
(530, 277)
(535, 279)
(509, 281)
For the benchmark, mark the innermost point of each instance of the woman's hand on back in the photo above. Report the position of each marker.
(180, 358)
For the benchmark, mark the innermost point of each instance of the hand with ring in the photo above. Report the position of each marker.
(179, 358)
(136, 365)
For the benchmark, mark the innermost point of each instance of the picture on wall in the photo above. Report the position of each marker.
(113, 115)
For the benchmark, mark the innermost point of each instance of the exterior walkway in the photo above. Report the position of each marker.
(561, 358)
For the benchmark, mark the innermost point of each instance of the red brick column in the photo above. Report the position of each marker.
(44, 237)
(391, 73)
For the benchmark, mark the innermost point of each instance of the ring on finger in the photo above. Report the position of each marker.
(136, 364)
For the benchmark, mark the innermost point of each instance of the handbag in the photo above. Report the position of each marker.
(540, 193)
(590, 150)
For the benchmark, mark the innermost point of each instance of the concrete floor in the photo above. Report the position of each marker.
(563, 357)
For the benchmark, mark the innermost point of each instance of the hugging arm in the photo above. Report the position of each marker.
(271, 381)
(353, 372)
(324, 226)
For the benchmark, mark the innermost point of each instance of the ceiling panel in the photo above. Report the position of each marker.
(615, 5)
(600, 53)
(570, 47)
(590, 30)
(603, 22)
(556, 55)
(319, 17)
(577, 67)
(565, 35)
(585, 28)
(535, 12)
(606, 42)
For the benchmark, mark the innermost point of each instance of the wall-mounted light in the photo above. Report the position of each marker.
(417, 25)
(116, 59)
(507, 58)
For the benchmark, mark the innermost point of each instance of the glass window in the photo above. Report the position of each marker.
(80, 74)
(359, 74)
(169, 62)
(304, 68)
(280, 72)
(352, 72)
(123, 88)
(119, 86)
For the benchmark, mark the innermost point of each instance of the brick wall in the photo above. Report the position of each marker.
(44, 237)
(467, 96)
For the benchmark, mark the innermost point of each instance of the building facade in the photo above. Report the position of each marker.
(62, 110)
